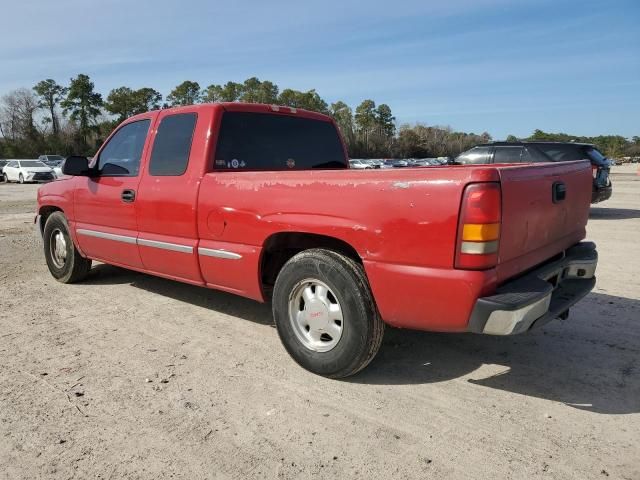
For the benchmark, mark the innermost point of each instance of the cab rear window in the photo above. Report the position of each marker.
(258, 141)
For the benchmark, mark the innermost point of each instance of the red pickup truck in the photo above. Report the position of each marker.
(259, 201)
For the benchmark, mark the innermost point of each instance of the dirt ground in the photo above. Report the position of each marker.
(131, 376)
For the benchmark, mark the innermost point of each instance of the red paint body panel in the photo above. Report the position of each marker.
(424, 298)
(238, 276)
(403, 223)
(546, 228)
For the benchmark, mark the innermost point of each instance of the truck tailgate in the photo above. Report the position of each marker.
(536, 223)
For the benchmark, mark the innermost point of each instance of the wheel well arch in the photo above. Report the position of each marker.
(280, 247)
(45, 211)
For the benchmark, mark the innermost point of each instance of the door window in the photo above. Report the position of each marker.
(531, 154)
(507, 154)
(121, 155)
(172, 145)
(562, 153)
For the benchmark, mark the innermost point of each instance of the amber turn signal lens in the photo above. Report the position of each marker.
(480, 232)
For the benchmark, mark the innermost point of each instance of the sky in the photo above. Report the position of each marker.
(501, 66)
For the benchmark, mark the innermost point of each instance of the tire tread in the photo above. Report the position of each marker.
(353, 269)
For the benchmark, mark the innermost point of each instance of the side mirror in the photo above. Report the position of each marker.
(76, 165)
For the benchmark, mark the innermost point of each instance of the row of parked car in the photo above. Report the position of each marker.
(45, 169)
(368, 163)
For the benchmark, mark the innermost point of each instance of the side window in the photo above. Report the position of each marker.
(121, 155)
(532, 155)
(172, 145)
(562, 153)
(507, 154)
(473, 156)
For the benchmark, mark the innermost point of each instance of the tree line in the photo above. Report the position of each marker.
(74, 118)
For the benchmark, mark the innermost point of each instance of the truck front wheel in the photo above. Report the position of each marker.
(63, 259)
(325, 313)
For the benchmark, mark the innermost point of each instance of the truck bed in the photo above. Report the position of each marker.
(403, 224)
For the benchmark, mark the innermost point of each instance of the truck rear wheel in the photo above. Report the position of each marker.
(325, 313)
(63, 259)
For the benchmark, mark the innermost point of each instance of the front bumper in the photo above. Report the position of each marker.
(539, 296)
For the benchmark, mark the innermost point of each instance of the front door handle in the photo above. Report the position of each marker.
(128, 195)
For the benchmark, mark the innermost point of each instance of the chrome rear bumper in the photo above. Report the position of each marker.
(539, 296)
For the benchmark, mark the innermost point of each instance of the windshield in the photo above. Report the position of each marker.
(31, 163)
(55, 158)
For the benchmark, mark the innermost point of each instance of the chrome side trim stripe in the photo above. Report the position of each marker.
(210, 252)
(479, 248)
(108, 236)
(174, 247)
(165, 245)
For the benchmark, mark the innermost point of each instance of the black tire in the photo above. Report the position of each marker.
(362, 327)
(75, 267)
(20, 179)
(6, 179)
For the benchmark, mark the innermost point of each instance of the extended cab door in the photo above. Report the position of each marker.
(168, 194)
(105, 215)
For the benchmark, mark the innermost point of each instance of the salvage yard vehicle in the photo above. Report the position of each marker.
(260, 201)
(357, 164)
(22, 171)
(527, 152)
(51, 160)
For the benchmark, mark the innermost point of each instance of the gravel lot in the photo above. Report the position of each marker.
(131, 376)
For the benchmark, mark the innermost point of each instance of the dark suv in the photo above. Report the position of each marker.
(525, 152)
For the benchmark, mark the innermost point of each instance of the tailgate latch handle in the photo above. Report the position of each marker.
(558, 192)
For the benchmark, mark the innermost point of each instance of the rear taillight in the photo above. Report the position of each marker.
(594, 170)
(479, 227)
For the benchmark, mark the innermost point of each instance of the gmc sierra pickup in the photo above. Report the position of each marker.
(259, 201)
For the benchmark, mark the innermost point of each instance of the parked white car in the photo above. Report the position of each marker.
(57, 169)
(53, 161)
(27, 171)
(358, 164)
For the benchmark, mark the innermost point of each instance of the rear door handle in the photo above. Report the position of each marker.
(128, 195)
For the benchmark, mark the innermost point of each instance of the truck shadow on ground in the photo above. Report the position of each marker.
(221, 302)
(589, 362)
(603, 213)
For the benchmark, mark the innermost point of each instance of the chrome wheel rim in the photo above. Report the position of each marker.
(315, 315)
(58, 248)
